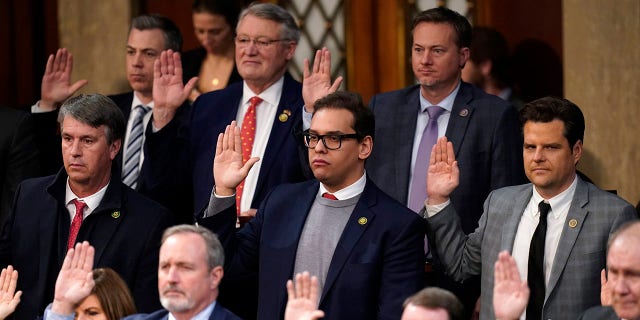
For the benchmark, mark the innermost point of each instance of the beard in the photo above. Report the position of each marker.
(176, 304)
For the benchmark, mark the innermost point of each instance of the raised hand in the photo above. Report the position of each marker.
(9, 298)
(168, 91)
(303, 298)
(75, 280)
(316, 83)
(605, 289)
(56, 83)
(510, 293)
(443, 173)
(228, 170)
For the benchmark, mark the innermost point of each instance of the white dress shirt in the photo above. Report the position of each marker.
(91, 201)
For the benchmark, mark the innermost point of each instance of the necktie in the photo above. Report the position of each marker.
(247, 134)
(76, 223)
(131, 166)
(418, 192)
(535, 276)
(329, 196)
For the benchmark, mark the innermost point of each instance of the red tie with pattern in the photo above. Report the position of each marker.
(247, 134)
(76, 223)
(329, 196)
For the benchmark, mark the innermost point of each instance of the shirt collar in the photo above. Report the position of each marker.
(91, 201)
(563, 199)
(137, 102)
(446, 103)
(349, 192)
(271, 95)
(202, 315)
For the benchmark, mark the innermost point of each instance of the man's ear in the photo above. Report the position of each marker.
(463, 56)
(366, 146)
(216, 276)
(576, 151)
(114, 148)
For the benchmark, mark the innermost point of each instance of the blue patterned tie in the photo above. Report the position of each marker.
(131, 166)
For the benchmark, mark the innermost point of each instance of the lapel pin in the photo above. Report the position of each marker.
(362, 221)
(464, 112)
(115, 214)
(573, 223)
(284, 116)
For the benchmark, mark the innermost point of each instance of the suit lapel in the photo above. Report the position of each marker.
(350, 236)
(461, 114)
(405, 132)
(511, 225)
(569, 235)
(104, 220)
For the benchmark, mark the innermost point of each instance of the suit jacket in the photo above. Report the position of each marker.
(574, 284)
(377, 263)
(600, 313)
(284, 160)
(171, 193)
(124, 229)
(219, 313)
(18, 155)
(485, 133)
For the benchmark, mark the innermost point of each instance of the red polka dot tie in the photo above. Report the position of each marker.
(76, 223)
(247, 134)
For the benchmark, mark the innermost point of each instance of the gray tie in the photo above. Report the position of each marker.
(131, 166)
(418, 192)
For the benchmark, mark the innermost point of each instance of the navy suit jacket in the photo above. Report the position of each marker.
(485, 133)
(599, 313)
(377, 263)
(285, 158)
(124, 229)
(219, 313)
(171, 193)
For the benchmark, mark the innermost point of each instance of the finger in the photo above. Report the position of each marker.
(326, 61)
(68, 259)
(317, 314)
(249, 164)
(13, 283)
(315, 290)
(451, 157)
(237, 140)
(336, 84)
(77, 85)
(305, 69)
(219, 144)
(290, 292)
(177, 64)
(3, 280)
(603, 278)
(88, 263)
(316, 61)
(164, 63)
(157, 70)
(306, 283)
(189, 86)
(49, 67)
(68, 66)
(171, 66)
(297, 285)
(226, 144)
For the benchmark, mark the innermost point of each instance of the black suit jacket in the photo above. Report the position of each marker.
(18, 155)
(600, 313)
(485, 133)
(377, 263)
(219, 313)
(124, 229)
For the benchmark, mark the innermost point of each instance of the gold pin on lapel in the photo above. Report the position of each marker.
(284, 116)
(573, 223)
(362, 221)
(115, 214)
(464, 112)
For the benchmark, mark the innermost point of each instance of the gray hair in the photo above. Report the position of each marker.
(95, 110)
(269, 11)
(215, 252)
(171, 33)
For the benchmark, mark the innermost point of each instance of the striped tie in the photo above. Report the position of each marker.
(131, 167)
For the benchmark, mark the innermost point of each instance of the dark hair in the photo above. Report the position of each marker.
(95, 110)
(269, 11)
(364, 121)
(229, 9)
(113, 294)
(488, 44)
(459, 23)
(172, 35)
(548, 109)
(436, 298)
(215, 252)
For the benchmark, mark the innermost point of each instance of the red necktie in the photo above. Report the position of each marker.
(76, 223)
(247, 133)
(329, 196)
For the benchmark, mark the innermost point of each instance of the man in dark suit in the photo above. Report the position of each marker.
(364, 247)
(148, 36)
(18, 155)
(561, 255)
(483, 129)
(84, 201)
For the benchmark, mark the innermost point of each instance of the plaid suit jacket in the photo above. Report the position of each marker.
(574, 285)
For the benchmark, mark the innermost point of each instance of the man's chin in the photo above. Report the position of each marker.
(176, 304)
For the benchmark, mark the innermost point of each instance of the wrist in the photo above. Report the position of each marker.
(62, 307)
(48, 105)
(224, 191)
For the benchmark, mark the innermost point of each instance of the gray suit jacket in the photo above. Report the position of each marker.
(574, 284)
(485, 133)
(600, 313)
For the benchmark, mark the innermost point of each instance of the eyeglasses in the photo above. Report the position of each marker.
(260, 43)
(330, 141)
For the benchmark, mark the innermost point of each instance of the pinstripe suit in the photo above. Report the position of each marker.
(574, 284)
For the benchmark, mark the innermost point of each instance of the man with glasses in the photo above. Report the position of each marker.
(364, 247)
